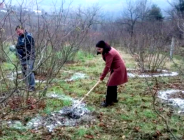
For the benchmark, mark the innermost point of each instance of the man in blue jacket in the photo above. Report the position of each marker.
(25, 49)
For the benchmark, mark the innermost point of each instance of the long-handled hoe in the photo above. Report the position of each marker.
(70, 111)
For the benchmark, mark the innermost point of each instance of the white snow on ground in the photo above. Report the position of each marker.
(55, 119)
(176, 102)
(164, 73)
(77, 76)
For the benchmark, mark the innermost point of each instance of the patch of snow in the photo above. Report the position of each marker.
(176, 102)
(56, 119)
(131, 75)
(159, 75)
(77, 76)
(164, 73)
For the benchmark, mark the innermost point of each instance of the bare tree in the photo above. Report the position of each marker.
(148, 46)
(144, 39)
(58, 37)
(176, 24)
(110, 31)
(134, 13)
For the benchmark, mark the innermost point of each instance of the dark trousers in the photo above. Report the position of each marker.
(27, 70)
(111, 95)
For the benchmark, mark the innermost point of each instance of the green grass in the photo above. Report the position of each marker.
(81, 132)
(83, 56)
(126, 117)
(132, 118)
(67, 103)
(149, 114)
(7, 66)
(55, 105)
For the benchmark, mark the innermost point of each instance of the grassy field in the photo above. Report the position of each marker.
(132, 118)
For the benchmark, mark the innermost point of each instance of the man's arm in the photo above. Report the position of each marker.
(30, 41)
(20, 44)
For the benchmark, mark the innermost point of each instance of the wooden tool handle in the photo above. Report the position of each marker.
(87, 94)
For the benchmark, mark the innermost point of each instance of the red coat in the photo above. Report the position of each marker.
(116, 66)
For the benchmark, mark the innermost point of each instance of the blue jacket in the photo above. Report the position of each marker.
(25, 47)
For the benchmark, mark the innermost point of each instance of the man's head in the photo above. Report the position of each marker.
(19, 30)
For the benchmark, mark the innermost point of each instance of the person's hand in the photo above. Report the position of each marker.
(12, 48)
(101, 79)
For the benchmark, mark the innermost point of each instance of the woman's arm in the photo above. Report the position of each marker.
(109, 59)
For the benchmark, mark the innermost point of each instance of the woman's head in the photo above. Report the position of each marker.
(102, 47)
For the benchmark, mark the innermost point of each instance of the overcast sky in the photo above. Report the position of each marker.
(109, 6)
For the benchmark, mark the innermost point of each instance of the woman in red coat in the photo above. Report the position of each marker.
(116, 67)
